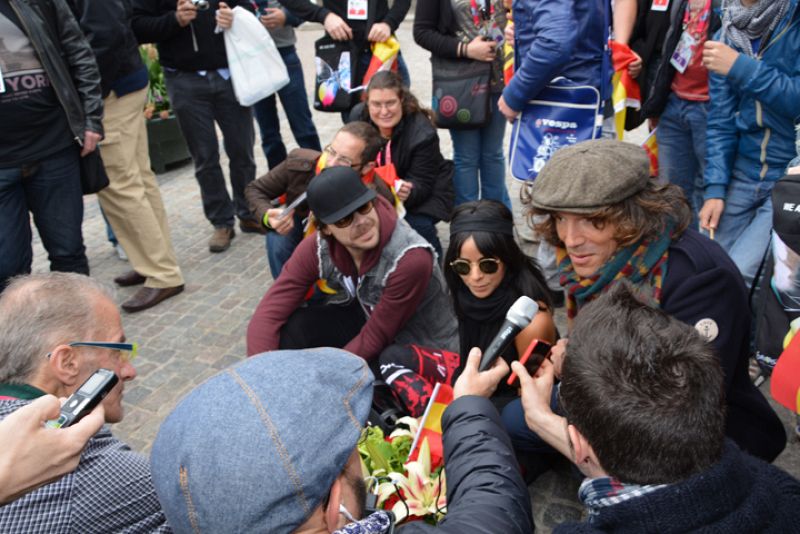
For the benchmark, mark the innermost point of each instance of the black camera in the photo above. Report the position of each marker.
(200, 4)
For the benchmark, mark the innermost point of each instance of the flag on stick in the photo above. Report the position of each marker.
(430, 428)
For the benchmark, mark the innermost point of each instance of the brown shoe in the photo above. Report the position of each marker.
(221, 239)
(131, 278)
(251, 226)
(147, 297)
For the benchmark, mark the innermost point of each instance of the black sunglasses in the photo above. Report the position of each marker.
(486, 265)
(347, 220)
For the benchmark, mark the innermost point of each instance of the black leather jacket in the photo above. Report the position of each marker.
(68, 60)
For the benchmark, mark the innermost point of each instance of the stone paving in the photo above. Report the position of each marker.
(189, 338)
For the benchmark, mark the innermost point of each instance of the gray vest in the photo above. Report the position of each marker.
(433, 324)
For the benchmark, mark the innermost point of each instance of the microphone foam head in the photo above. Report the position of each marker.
(522, 311)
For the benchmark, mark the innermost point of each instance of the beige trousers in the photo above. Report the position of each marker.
(132, 201)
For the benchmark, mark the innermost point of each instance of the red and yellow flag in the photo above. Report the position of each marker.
(625, 90)
(508, 56)
(431, 427)
(383, 58)
(651, 147)
(785, 383)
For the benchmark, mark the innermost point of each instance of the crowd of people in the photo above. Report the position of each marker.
(648, 390)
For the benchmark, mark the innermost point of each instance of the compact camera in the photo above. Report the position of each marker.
(200, 4)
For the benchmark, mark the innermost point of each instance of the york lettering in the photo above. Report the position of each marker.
(27, 82)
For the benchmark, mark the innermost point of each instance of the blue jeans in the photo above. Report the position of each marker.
(280, 247)
(523, 438)
(480, 168)
(746, 223)
(681, 137)
(199, 102)
(50, 189)
(425, 225)
(295, 103)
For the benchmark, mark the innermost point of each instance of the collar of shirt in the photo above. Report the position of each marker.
(20, 391)
(597, 493)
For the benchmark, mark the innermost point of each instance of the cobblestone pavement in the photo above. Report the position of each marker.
(189, 338)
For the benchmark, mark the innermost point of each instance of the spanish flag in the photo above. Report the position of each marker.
(431, 427)
(508, 57)
(383, 58)
(785, 383)
(650, 145)
(625, 90)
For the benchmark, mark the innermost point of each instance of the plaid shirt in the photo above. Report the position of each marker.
(597, 493)
(110, 491)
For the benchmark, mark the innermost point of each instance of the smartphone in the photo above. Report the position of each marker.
(534, 355)
(83, 401)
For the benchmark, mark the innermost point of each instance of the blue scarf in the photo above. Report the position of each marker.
(376, 523)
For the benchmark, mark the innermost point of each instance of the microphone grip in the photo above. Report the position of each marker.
(498, 346)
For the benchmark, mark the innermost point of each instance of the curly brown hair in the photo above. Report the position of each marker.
(387, 79)
(644, 215)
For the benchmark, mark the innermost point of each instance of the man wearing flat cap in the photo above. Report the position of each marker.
(609, 221)
(270, 446)
(380, 281)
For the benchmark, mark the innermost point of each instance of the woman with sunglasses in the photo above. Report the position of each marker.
(425, 178)
(486, 272)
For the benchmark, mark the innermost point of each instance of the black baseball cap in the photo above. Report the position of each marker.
(336, 192)
(786, 210)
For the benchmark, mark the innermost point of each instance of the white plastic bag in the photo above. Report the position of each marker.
(257, 69)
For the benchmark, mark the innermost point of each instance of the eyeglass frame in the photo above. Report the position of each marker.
(331, 153)
(461, 261)
(122, 347)
(347, 220)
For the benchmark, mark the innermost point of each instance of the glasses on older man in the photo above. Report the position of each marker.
(486, 265)
(127, 350)
(347, 220)
(335, 157)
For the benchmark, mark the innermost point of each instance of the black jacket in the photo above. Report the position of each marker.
(67, 59)
(154, 22)
(435, 27)
(377, 11)
(703, 284)
(107, 26)
(417, 159)
(737, 494)
(485, 491)
(655, 100)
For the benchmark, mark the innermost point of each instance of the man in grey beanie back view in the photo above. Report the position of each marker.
(270, 445)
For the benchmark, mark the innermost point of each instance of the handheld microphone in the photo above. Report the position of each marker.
(519, 315)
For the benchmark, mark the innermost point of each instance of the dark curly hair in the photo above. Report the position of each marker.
(387, 79)
(644, 215)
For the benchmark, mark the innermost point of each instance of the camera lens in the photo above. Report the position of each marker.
(200, 4)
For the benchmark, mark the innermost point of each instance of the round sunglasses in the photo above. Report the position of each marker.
(347, 220)
(486, 265)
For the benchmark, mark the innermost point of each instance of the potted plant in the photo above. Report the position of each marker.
(165, 140)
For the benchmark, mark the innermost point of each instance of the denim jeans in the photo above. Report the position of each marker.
(425, 225)
(295, 104)
(199, 101)
(681, 137)
(50, 189)
(280, 247)
(746, 222)
(480, 169)
(523, 438)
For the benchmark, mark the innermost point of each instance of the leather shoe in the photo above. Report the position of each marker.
(147, 297)
(221, 239)
(251, 226)
(131, 278)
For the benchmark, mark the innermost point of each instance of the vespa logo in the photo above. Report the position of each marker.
(561, 125)
(788, 206)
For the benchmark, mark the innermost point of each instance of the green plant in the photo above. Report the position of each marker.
(157, 97)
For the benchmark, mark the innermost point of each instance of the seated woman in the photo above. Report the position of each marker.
(426, 178)
(609, 221)
(486, 272)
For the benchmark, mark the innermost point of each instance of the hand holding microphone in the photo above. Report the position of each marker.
(519, 316)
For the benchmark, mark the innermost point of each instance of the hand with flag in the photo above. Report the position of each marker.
(626, 92)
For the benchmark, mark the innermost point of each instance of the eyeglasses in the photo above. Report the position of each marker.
(347, 220)
(129, 348)
(486, 265)
(377, 105)
(334, 157)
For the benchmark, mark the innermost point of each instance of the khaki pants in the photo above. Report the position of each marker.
(132, 201)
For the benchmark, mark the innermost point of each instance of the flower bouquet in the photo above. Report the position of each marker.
(412, 490)
(157, 99)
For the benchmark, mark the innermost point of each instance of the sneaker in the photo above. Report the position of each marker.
(251, 226)
(221, 239)
(120, 252)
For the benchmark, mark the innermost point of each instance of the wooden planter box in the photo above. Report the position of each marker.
(166, 143)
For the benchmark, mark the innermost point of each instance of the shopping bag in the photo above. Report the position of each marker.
(561, 115)
(460, 92)
(335, 61)
(257, 68)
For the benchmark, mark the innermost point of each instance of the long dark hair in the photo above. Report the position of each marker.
(522, 272)
(387, 79)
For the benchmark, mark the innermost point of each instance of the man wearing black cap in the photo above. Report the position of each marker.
(379, 279)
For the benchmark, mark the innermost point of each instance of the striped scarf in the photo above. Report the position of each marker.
(644, 264)
(742, 24)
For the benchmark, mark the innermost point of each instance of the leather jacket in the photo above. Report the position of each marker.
(68, 60)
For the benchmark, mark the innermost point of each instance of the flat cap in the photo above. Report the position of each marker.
(587, 176)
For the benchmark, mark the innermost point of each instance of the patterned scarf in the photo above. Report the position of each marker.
(597, 493)
(376, 523)
(742, 24)
(644, 264)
